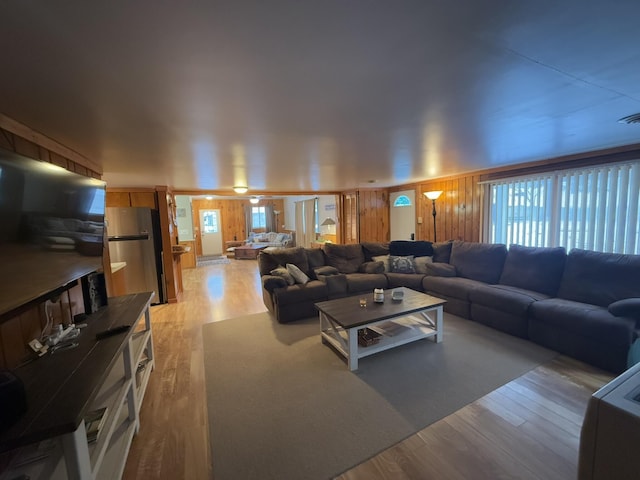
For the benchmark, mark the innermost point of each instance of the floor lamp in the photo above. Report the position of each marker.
(433, 197)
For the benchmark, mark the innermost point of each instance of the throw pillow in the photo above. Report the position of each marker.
(384, 259)
(402, 264)
(284, 273)
(421, 263)
(372, 267)
(404, 248)
(297, 274)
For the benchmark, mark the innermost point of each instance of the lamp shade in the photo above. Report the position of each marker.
(433, 195)
(254, 200)
(328, 221)
(240, 189)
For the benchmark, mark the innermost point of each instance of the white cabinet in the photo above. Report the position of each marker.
(111, 373)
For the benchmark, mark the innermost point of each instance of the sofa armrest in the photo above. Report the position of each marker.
(336, 284)
(271, 282)
(629, 307)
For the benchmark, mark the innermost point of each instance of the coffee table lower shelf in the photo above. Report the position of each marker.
(406, 329)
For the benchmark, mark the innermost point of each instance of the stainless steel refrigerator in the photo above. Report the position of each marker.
(135, 238)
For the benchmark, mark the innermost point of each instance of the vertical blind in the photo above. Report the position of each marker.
(595, 209)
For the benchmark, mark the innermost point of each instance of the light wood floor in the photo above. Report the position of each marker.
(526, 429)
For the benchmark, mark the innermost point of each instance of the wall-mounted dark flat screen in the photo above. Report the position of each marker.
(51, 229)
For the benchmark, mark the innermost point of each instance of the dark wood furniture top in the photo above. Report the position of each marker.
(60, 387)
(249, 251)
(348, 313)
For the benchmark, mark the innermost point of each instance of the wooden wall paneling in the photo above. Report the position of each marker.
(59, 160)
(25, 147)
(457, 210)
(171, 263)
(118, 199)
(143, 199)
(373, 215)
(6, 140)
(44, 154)
(350, 224)
(477, 192)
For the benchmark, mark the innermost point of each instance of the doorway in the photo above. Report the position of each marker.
(210, 232)
(402, 221)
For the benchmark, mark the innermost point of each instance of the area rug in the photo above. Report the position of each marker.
(284, 406)
(212, 260)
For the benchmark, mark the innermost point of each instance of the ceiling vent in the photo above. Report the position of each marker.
(635, 118)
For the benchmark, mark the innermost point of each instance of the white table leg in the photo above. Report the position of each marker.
(76, 454)
(352, 351)
(439, 324)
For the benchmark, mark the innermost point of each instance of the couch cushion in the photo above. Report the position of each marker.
(268, 261)
(592, 321)
(442, 251)
(421, 264)
(346, 258)
(599, 278)
(336, 285)
(374, 249)
(478, 261)
(440, 269)
(531, 268)
(505, 298)
(409, 280)
(401, 264)
(372, 267)
(403, 248)
(315, 257)
(453, 287)
(313, 291)
(365, 282)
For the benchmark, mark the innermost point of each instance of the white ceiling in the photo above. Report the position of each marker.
(299, 96)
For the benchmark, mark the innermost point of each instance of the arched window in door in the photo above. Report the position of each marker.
(402, 201)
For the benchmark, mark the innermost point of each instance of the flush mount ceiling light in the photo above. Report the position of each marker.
(254, 200)
(635, 118)
(240, 189)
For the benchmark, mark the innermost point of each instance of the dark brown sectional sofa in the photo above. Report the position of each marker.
(585, 304)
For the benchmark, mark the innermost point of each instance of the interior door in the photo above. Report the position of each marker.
(210, 232)
(402, 219)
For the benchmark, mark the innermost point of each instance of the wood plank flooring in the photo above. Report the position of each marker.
(527, 429)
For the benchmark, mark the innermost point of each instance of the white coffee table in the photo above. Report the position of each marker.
(417, 316)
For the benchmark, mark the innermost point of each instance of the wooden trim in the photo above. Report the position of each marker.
(27, 133)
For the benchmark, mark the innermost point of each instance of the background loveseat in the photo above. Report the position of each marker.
(271, 239)
(585, 304)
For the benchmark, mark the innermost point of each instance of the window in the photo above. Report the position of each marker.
(210, 222)
(402, 201)
(258, 217)
(595, 209)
